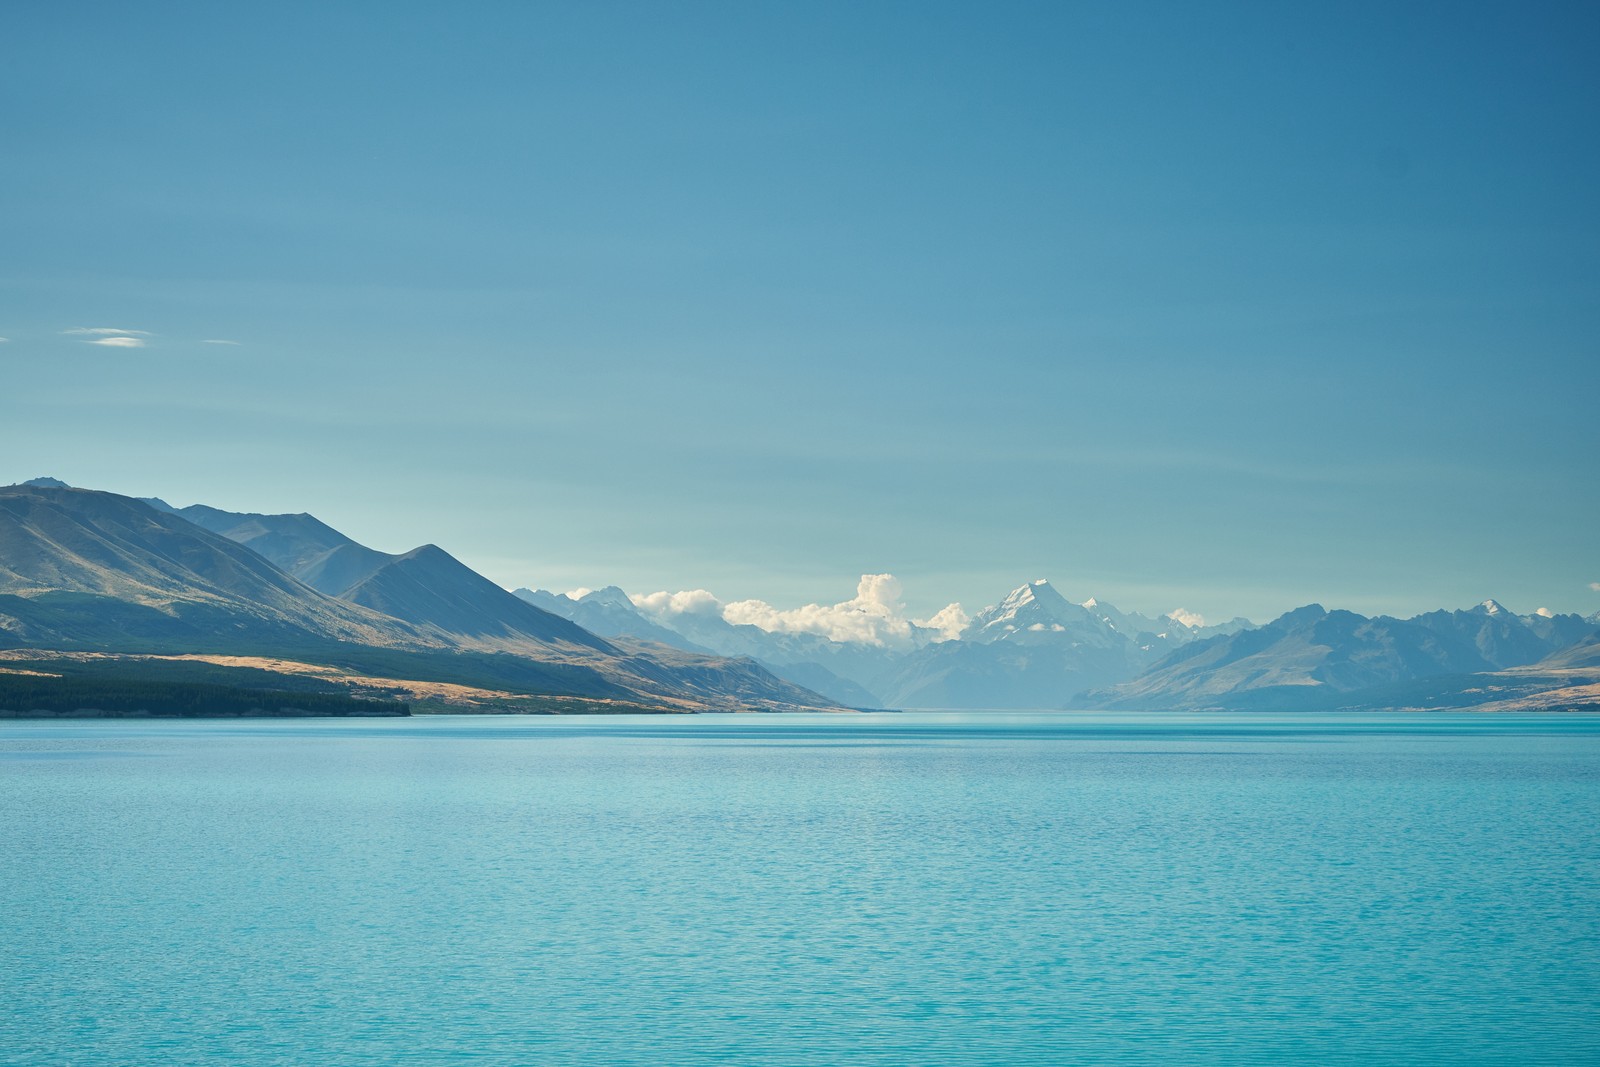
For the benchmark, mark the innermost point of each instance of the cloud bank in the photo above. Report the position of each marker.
(1188, 618)
(874, 616)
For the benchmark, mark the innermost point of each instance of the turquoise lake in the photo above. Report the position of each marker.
(994, 889)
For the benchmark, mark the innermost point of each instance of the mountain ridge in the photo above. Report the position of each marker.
(80, 569)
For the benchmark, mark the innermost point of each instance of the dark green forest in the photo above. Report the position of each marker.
(29, 696)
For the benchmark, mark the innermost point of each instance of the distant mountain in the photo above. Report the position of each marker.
(1034, 648)
(607, 612)
(1311, 657)
(1036, 614)
(1502, 638)
(1581, 654)
(611, 613)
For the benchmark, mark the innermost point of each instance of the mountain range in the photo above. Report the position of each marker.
(90, 574)
(1035, 648)
(1032, 649)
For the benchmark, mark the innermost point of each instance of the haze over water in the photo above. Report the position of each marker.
(891, 889)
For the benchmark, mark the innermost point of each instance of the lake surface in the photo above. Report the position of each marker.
(996, 889)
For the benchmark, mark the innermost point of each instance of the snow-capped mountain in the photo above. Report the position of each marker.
(1033, 648)
(1036, 614)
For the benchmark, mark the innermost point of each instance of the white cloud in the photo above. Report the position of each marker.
(874, 616)
(949, 621)
(1188, 618)
(687, 602)
(1546, 612)
(5, 340)
(1595, 586)
(217, 341)
(578, 593)
(119, 342)
(105, 331)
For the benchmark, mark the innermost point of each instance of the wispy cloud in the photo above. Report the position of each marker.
(105, 331)
(5, 340)
(119, 342)
(218, 341)
(1595, 586)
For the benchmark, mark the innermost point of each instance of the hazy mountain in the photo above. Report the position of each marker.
(1034, 648)
(1502, 638)
(607, 612)
(1311, 657)
(1581, 654)
(611, 613)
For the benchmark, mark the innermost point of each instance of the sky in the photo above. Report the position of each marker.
(1224, 307)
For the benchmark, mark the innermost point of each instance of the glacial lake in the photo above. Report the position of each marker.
(970, 889)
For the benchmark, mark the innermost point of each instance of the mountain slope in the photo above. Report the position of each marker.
(302, 545)
(426, 587)
(429, 587)
(1580, 655)
(74, 560)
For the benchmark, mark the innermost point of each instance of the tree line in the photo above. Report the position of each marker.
(25, 695)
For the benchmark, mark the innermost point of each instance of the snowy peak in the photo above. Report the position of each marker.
(1040, 593)
(1036, 612)
(1491, 607)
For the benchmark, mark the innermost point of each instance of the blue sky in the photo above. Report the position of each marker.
(1231, 308)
